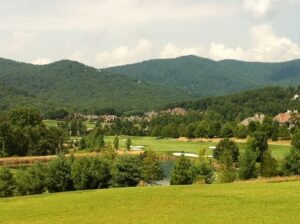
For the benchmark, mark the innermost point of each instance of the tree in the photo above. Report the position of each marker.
(229, 145)
(25, 116)
(32, 180)
(128, 144)
(151, 168)
(190, 131)
(268, 165)
(182, 173)
(59, 175)
(296, 140)
(283, 132)
(227, 130)
(247, 164)
(259, 144)
(291, 163)
(90, 173)
(201, 130)
(241, 131)
(203, 170)
(227, 174)
(7, 182)
(126, 172)
(116, 143)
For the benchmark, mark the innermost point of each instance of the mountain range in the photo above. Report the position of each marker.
(142, 86)
(201, 77)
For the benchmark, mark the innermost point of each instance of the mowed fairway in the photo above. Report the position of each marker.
(218, 203)
(173, 145)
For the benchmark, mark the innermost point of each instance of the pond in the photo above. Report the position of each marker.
(167, 167)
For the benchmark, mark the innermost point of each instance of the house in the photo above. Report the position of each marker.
(287, 118)
(175, 111)
(150, 115)
(296, 97)
(256, 118)
(108, 118)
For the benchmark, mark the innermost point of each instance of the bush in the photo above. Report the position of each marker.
(32, 180)
(59, 175)
(291, 163)
(247, 165)
(7, 182)
(90, 173)
(229, 146)
(126, 172)
(182, 173)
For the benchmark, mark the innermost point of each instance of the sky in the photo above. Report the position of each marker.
(103, 33)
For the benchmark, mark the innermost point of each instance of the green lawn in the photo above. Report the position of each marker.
(51, 123)
(172, 145)
(218, 203)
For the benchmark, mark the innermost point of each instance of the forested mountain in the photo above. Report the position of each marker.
(74, 85)
(204, 77)
(238, 106)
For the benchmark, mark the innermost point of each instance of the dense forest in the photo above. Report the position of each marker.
(202, 77)
(78, 87)
(268, 100)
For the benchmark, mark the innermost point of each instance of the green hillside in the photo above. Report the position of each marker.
(267, 100)
(203, 77)
(217, 203)
(71, 84)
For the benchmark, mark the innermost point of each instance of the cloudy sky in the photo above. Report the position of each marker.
(104, 33)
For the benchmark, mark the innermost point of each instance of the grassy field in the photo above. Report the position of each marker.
(172, 145)
(54, 123)
(218, 203)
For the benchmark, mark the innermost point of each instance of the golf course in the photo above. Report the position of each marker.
(217, 203)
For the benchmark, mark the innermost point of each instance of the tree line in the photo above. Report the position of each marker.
(23, 133)
(68, 174)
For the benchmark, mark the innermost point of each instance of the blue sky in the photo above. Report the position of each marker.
(104, 33)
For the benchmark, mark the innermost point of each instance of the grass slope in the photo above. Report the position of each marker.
(219, 203)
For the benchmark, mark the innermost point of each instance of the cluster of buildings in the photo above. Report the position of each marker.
(147, 116)
(287, 118)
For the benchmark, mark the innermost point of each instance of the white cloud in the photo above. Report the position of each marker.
(259, 8)
(41, 61)
(172, 51)
(125, 55)
(266, 47)
(76, 56)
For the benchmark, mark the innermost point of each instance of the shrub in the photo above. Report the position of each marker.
(32, 180)
(126, 171)
(59, 175)
(7, 182)
(90, 173)
(291, 163)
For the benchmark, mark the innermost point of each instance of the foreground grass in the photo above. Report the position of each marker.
(219, 203)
